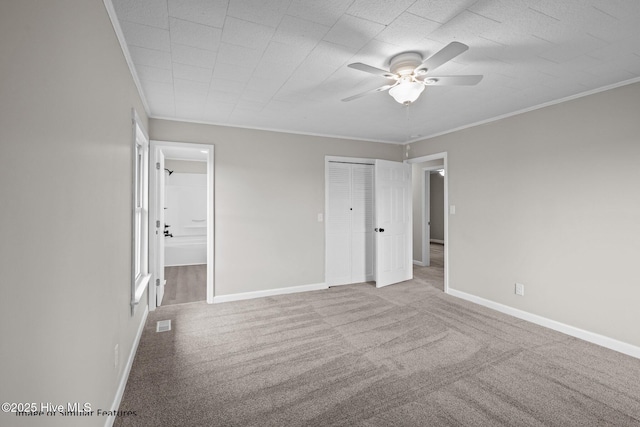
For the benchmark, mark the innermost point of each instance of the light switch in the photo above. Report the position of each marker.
(452, 209)
(320, 217)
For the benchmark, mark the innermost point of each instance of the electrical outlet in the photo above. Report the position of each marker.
(116, 356)
(519, 289)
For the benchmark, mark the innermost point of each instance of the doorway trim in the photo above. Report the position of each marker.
(206, 151)
(438, 156)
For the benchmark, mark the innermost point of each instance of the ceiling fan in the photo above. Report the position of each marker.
(411, 73)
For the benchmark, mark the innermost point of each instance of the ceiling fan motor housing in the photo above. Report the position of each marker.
(404, 63)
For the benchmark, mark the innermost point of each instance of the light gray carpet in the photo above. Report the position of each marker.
(404, 355)
(434, 274)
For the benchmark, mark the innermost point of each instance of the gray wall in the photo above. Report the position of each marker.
(269, 189)
(436, 206)
(550, 199)
(65, 178)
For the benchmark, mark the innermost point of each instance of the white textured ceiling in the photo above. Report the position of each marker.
(282, 64)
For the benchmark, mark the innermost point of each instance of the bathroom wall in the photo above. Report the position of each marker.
(186, 203)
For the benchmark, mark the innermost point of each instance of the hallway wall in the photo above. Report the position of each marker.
(437, 206)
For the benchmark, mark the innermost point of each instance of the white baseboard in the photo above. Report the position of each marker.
(127, 369)
(437, 241)
(592, 337)
(420, 263)
(269, 292)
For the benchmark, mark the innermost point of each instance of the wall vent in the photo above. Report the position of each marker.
(163, 326)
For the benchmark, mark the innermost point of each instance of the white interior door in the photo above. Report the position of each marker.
(361, 223)
(393, 222)
(349, 229)
(338, 235)
(160, 228)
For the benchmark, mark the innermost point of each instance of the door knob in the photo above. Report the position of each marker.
(381, 230)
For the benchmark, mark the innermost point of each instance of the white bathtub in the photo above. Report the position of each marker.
(185, 250)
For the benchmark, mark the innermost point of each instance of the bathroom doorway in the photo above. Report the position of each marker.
(181, 208)
(185, 228)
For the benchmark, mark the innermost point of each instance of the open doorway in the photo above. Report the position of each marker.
(431, 269)
(430, 220)
(181, 209)
(185, 229)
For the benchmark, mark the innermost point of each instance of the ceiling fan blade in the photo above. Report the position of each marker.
(452, 80)
(372, 70)
(380, 89)
(445, 54)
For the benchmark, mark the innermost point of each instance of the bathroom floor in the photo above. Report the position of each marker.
(187, 283)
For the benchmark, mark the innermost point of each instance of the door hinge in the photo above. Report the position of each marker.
(157, 282)
(158, 224)
(158, 166)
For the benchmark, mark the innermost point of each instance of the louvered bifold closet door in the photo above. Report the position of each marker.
(338, 251)
(361, 223)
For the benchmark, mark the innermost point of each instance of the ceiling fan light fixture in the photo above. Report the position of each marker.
(406, 92)
(412, 73)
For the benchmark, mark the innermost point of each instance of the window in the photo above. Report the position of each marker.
(140, 223)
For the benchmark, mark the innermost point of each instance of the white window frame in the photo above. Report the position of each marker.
(140, 275)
